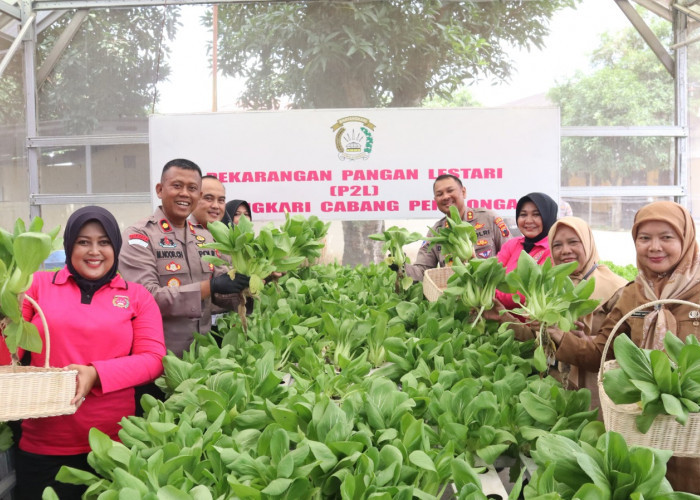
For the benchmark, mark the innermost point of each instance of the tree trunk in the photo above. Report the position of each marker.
(358, 248)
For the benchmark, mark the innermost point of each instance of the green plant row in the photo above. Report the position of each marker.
(340, 389)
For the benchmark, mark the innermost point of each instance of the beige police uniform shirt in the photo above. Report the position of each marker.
(170, 266)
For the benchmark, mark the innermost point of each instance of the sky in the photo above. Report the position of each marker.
(574, 34)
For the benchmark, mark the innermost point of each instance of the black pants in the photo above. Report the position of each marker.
(36, 472)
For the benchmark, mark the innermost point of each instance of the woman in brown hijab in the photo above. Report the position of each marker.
(669, 268)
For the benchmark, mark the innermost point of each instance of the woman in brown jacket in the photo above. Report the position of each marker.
(571, 239)
(669, 268)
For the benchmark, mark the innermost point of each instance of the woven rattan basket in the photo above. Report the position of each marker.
(32, 391)
(665, 433)
(435, 282)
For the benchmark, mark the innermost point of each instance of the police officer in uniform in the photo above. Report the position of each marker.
(491, 230)
(164, 253)
(212, 204)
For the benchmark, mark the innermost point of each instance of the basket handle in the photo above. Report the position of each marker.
(46, 329)
(630, 313)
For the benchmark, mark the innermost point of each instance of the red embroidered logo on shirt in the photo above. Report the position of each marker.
(481, 243)
(470, 215)
(120, 301)
(167, 243)
(478, 226)
(173, 282)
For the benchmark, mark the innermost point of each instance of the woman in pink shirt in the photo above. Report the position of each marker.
(107, 329)
(535, 214)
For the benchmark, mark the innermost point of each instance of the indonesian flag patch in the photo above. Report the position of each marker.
(138, 239)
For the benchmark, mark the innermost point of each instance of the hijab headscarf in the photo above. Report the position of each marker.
(548, 211)
(606, 281)
(674, 285)
(230, 211)
(75, 222)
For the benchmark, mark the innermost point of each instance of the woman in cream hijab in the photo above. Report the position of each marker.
(571, 240)
(669, 268)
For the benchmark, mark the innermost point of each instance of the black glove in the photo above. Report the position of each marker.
(223, 284)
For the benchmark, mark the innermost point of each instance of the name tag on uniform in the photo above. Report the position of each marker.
(640, 314)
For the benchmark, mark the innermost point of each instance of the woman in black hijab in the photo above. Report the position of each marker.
(535, 214)
(531, 205)
(89, 282)
(109, 330)
(234, 210)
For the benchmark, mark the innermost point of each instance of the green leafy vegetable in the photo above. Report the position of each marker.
(21, 255)
(395, 239)
(551, 298)
(650, 378)
(475, 283)
(456, 239)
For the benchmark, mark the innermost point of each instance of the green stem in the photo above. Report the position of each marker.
(540, 334)
(478, 316)
(245, 294)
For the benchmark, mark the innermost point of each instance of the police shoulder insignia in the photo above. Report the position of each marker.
(165, 225)
(470, 215)
(502, 226)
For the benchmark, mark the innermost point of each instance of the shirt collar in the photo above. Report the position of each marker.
(64, 274)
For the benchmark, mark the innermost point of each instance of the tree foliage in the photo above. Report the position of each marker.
(363, 54)
(108, 71)
(628, 86)
(460, 98)
(326, 54)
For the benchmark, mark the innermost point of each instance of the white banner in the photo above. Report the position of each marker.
(365, 163)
